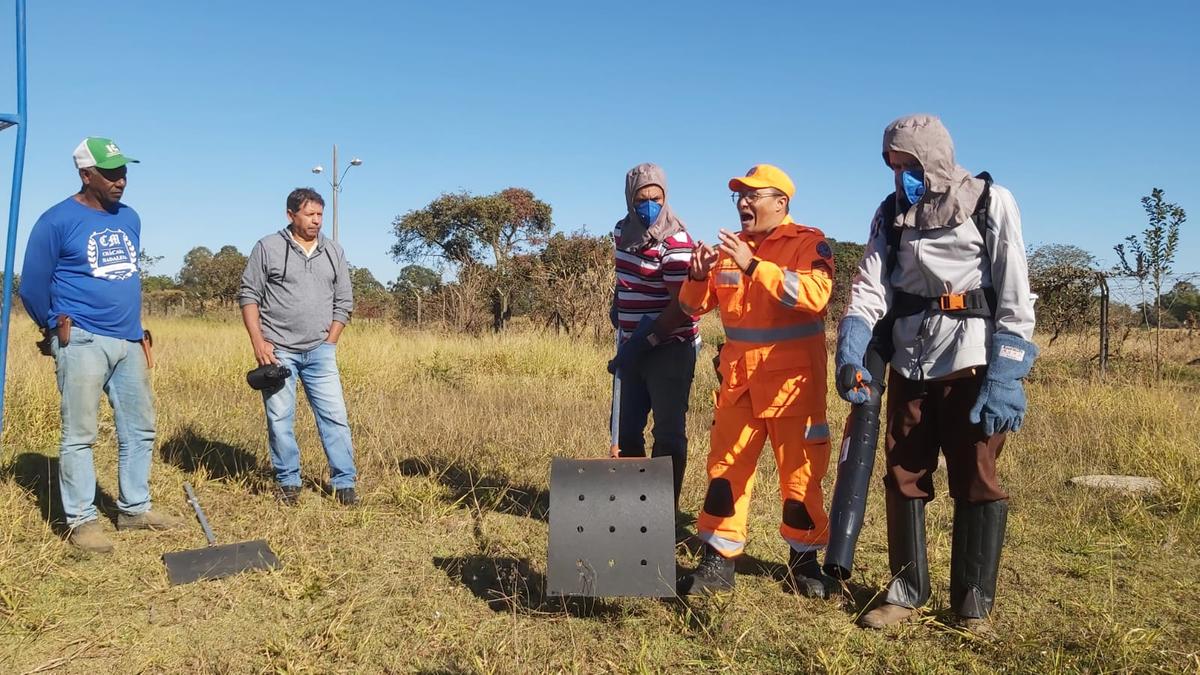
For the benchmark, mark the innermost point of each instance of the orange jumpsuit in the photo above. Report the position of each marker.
(772, 370)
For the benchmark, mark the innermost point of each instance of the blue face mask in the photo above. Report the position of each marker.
(648, 211)
(913, 183)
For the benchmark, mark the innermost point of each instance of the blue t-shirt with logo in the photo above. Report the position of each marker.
(83, 263)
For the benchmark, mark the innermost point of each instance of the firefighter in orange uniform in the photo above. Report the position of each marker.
(771, 282)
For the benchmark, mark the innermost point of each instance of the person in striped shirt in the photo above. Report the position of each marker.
(656, 358)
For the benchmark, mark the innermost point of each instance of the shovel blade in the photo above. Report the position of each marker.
(215, 562)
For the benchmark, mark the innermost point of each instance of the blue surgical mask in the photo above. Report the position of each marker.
(913, 183)
(648, 211)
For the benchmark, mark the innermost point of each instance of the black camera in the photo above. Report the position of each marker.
(270, 376)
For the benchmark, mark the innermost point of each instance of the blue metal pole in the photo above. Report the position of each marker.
(14, 206)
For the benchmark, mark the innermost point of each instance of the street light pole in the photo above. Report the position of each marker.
(336, 184)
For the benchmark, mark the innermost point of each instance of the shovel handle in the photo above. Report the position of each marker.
(614, 420)
(191, 499)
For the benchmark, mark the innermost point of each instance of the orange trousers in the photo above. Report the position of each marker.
(801, 446)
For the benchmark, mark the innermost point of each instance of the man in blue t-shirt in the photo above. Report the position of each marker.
(80, 284)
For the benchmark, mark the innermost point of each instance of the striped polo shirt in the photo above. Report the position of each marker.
(642, 280)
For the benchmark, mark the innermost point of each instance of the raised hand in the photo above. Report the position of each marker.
(738, 250)
(703, 259)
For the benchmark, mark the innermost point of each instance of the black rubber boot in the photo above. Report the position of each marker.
(804, 576)
(975, 558)
(907, 558)
(908, 562)
(714, 574)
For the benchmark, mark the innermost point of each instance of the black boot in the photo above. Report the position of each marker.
(907, 559)
(804, 576)
(975, 559)
(906, 551)
(714, 574)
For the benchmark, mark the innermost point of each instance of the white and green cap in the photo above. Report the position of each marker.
(101, 153)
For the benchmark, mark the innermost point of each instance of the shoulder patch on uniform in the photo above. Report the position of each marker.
(824, 250)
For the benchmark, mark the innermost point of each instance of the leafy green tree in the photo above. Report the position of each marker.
(158, 282)
(16, 287)
(370, 297)
(194, 275)
(846, 256)
(208, 276)
(477, 231)
(412, 289)
(416, 278)
(1150, 259)
(363, 282)
(1182, 301)
(1064, 278)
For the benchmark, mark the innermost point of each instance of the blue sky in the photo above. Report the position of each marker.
(1078, 108)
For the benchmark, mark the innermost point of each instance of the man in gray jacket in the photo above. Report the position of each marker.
(296, 300)
(944, 287)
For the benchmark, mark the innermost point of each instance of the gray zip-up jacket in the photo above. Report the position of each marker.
(298, 296)
(941, 251)
(948, 260)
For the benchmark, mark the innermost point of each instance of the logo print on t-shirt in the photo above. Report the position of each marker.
(111, 255)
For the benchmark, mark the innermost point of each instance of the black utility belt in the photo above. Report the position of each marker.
(979, 303)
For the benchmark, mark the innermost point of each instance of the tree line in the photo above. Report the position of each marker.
(476, 263)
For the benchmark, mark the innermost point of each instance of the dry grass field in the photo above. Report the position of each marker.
(442, 568)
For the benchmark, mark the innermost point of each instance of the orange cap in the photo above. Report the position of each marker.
(764, 176)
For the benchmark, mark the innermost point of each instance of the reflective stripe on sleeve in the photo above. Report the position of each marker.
(729, 277)
(791, 289)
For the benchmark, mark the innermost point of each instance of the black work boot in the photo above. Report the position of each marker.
(975, 561)
(288, 495)
(804, 576)
(907, 559)
(346, 496)
(713, 575)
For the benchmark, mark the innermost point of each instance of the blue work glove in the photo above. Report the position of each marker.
(638, 343)
(1001, 403)
(852, 377)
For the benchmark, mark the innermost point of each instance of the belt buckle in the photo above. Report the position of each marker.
(953, 302)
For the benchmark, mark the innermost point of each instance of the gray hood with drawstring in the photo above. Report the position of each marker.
(951, 192)
(941, 250)
(634, 234)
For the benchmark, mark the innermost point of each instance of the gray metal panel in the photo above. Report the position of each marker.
(612, 528)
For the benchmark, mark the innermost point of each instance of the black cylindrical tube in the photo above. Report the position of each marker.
(857, 459)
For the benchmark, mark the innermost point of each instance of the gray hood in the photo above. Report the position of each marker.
(951, 192)
(634, 234)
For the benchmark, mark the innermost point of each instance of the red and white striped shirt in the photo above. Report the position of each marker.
(643, 278)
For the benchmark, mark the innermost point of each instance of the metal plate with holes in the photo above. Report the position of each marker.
(612, 528)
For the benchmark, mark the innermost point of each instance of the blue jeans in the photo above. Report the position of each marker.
(318, 370)
(660, 381)
(87, 366)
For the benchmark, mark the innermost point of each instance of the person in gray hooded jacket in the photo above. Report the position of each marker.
(943, 285)
(296, 298)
